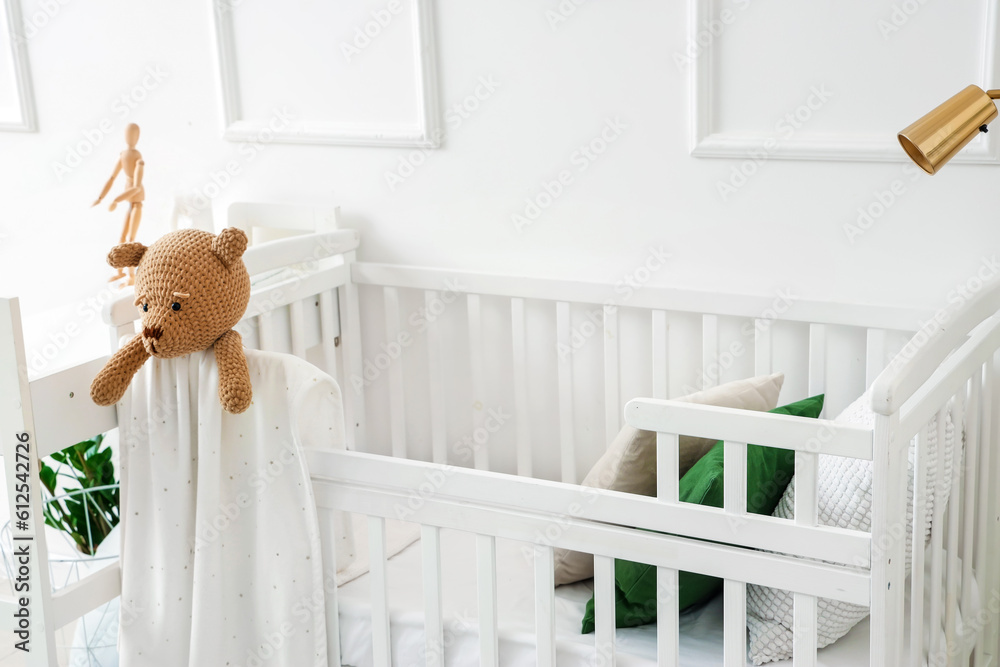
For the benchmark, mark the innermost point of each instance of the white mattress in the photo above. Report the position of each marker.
(700, 630)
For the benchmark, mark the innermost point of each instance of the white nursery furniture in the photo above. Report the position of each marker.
(479, 401)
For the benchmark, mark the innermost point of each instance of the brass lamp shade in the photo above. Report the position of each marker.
(935, 138)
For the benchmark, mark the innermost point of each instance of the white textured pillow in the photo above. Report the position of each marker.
(629, 464)
(845, 500)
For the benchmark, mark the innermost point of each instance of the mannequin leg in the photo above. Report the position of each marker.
(135, 217)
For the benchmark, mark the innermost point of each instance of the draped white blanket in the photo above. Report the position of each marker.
(221, 560)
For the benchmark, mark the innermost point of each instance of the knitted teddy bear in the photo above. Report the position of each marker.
(191, 288)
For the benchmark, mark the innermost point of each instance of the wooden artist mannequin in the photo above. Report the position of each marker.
(131, 162)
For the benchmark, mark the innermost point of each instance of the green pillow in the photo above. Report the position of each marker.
(769, 469)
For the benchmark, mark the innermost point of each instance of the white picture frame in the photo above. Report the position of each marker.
(16, 51)
(425, 132)
(705, 140)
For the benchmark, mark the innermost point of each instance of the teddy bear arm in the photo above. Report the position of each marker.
(110, 384)
(235, 391)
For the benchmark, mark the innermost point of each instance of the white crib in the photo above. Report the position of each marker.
(423, 355)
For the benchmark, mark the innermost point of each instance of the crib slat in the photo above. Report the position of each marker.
(265, 331)
(612, 399)
(806, 485)
(735, 624)
(545, 607)
(982, 563)
(971, 459)
(397, 406)
(486, 559)
(381, 645)
(874, 354)
(735, 484)
(520, 368)
(667, 618)
(297, 320)
(604, 609)
(566, 444)
(328, 331)
(482, 453)
(660, 355)
(354, 400)
(709, 350)
(954, 583)
(937, 542)
(762, 347)
(435, 377)
(804, 626)
(994, 532)
(917, 582)
(667, 467)
(817, 361)
(430, 541)
(329, 538)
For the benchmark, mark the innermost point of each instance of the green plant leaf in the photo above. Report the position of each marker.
(48, 477)
(88, 517)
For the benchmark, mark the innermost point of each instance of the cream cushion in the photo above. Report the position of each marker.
(629, 464)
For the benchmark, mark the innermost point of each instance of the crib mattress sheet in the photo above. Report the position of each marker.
(700, 630)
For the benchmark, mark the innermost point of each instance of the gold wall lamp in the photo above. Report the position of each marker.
(938, 136)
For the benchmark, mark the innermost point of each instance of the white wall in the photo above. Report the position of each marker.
(558, 84)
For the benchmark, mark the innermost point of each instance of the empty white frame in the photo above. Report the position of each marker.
(710, 23)
(17, 102)
(421, 127)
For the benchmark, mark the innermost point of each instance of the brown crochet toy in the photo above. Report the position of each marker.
(191, 288)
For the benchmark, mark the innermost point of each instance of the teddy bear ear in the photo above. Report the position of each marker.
(126, 254)
(229, 245)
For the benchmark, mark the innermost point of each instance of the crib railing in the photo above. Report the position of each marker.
(575, 318)
(520, 326)
(886, 446)
(496, 505)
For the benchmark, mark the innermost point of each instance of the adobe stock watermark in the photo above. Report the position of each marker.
(419, 321)
(963, 292)
(562, 13)
(711, 375)
(882, 201)
(455, 115)
(36, 22)
(211, 528)
(434, 481)
(710, 30)
(630, 283)
(555, 529)
(220, 179)
(785, 127)
(365, 35)
(86, 312)
(900, 15)
(469, 444)
(457, 626)
(122, 107)
(581, 159)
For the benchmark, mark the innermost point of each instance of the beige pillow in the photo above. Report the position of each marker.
(629, 464)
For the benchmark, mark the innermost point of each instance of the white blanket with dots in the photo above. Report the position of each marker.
(221, 560)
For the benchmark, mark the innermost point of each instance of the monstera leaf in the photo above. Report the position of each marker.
(82, 497)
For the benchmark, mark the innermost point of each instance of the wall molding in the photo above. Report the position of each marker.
(425, 131)
(28, 121)
(706, 141)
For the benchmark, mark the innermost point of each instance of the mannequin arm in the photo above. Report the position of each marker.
(111, 181)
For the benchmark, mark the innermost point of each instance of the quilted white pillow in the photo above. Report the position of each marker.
(629, 464)
(845, 500)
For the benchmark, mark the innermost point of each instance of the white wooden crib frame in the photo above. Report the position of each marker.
(315, 311)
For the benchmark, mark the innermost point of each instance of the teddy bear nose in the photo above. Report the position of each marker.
(152, 332)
